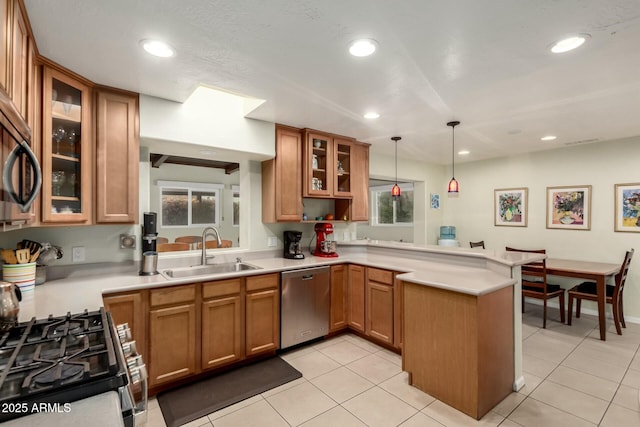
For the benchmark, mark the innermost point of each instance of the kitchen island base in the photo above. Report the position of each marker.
(459, 347)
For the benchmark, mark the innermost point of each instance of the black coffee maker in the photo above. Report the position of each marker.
(149, 254)
(292, 244)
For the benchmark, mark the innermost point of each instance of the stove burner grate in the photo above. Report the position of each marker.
(60, 373)
(63, 358)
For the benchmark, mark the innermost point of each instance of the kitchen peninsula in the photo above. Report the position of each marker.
(461, 271)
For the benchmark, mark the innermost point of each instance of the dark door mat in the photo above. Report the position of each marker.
(192, 401)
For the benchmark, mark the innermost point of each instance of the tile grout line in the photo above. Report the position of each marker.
(529, 396)
(619, 385)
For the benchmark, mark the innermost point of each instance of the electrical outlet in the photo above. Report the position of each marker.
(272, 241)
(77, 254)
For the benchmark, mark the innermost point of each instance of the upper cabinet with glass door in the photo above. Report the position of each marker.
(342, 159)
(66, 149)
(317, 165)
(327, 166)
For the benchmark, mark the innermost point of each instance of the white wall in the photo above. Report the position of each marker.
(208, 118)
(600, 165)
(427, 178)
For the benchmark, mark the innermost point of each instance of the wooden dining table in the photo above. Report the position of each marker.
(598, 272)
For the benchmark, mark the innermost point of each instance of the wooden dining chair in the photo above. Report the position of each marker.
(170, 247)
(161, 240)
(212, 244)
(534, 284)
(479, 244)
(191, 240)
(589, 291)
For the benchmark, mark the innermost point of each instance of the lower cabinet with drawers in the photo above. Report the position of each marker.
(187, 329)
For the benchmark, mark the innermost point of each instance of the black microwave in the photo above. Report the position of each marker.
(19, 167)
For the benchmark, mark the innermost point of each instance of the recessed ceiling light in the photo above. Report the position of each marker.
(371, 115)
(548, 138)
(569, 43)
(362, 47)
(464, 152)
(157, 48)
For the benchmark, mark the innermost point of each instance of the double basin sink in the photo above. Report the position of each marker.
(201, 270)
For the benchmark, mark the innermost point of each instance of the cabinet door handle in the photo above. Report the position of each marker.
(307, 277)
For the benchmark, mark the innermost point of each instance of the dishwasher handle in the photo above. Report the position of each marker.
(305, 273)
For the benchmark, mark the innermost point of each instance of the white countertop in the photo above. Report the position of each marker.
(101, 410)
(78, 292)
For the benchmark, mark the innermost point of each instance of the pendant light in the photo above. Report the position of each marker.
(395, 190)
(453, 187)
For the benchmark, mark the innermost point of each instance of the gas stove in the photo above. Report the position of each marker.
(47, 363)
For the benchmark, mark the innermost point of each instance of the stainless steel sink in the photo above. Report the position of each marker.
(200, 270)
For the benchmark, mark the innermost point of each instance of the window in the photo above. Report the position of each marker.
(386, 211)
(235, 190)
(185, 204)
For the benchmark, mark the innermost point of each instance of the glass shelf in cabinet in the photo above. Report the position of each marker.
(65, 158)
(65, 198)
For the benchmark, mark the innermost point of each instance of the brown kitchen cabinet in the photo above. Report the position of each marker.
(458, 347)
(379, 312)
(339, 291)
(172, 334)
(398, 309)
(356, 208)
(19, 57)
(5, 59)
(356, 298)
(130, 308)
(222, 323)
(67, 142)
(327, 165)
(282, 178)
(117, 156)
(262, 308)
(15, 37)
(317, 167)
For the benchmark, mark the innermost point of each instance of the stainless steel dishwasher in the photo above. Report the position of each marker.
(304, 305)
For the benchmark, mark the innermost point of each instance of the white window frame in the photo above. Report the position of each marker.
(235, 189)
(190, 187)
(375, 194)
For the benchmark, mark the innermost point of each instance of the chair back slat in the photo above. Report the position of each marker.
(621, 277)
(534, 269)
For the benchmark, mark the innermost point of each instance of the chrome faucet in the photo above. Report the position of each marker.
(205, 233)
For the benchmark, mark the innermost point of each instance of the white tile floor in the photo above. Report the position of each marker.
(572, 379)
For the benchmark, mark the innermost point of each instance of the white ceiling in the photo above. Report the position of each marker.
(483, 62)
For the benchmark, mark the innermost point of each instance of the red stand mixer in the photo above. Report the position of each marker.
(324, 247)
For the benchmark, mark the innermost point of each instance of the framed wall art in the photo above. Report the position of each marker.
(510, 207)
(435, 201)
(569, 208)
(627, 209)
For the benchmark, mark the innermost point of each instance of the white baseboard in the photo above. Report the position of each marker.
(555, 304)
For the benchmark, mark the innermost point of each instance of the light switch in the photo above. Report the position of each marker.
(272, 241)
